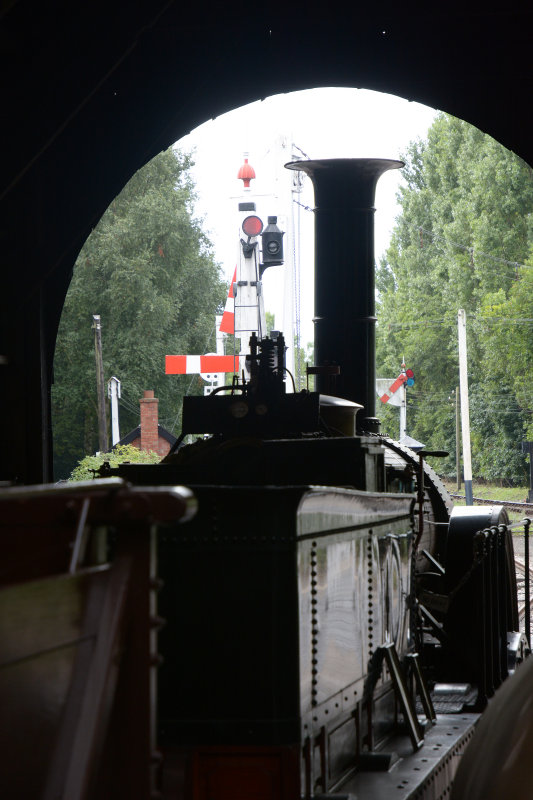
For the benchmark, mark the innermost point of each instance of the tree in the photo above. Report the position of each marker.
(463, 229)
(148, 270)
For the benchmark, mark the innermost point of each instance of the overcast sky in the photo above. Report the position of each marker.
(323, 123)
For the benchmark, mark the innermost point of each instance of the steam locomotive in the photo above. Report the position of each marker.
(326, 601)
(333, 628)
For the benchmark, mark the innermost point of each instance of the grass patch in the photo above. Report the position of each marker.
(491, 493)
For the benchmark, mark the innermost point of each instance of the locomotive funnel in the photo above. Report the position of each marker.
(344, 275)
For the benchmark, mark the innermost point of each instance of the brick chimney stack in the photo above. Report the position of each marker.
(149, 421)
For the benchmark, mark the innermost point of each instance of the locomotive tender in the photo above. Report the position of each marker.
(333, 629)
(316, 598)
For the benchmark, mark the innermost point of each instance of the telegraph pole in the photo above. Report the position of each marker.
(457, 440)
(100, 388)
(465, 413)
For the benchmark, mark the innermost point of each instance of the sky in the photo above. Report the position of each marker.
(318, 123)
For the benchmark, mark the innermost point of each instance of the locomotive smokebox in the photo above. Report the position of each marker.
(344, 275)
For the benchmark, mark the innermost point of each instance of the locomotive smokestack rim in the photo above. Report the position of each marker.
(344, 313)
(366, 170)
(367, 164)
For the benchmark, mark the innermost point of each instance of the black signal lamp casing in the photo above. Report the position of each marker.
(272, 239)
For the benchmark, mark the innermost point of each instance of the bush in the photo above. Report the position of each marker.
(88, 467)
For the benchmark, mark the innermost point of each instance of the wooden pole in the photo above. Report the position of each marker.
(103, 445)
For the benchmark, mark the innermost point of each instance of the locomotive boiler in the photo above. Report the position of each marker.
(325, 601)
(331, 626)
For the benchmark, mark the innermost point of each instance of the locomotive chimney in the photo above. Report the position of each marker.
(344, 275)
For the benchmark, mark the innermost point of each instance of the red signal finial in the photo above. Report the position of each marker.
(246, 172)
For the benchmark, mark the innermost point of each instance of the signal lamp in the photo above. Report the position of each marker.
(252, 225)
(410, 375)
(272, 245)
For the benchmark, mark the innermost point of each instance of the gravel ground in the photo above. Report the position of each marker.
(518, 543)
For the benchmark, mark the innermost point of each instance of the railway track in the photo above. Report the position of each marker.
(526, 508)
(520, 568)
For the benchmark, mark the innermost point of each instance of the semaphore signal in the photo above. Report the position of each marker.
(405, 378)
(244, 312)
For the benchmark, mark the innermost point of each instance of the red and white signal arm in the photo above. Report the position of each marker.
(401, 379)
(203, 365)
(227, 324)
(406, 377)
(210, 376)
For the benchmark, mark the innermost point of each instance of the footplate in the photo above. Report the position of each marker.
(424, 775)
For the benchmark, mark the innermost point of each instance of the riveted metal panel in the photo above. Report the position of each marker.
(354, 562)
(424, 775)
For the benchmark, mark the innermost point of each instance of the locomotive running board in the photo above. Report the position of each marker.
(424, 775)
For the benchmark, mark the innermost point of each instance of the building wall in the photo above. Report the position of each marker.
(162, 447)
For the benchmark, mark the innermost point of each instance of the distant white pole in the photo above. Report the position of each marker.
(403, 412)
(113, 391)
(219, 337)
(465, 414)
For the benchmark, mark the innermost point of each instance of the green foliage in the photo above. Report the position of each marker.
(270, 320)
(465, 226)
(148, 270)
(89, 466)
(303, 357)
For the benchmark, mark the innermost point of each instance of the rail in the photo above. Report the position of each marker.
(524, 574)
(484, 501)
